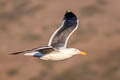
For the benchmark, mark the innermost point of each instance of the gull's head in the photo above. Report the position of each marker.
(76, 51)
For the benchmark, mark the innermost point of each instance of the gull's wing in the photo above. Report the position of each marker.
(45, 49)
(61, 35)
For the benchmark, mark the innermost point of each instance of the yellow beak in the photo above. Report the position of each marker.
(83, 53)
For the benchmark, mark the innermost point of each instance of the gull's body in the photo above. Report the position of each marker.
(62, 54)
(59, 55)
(56, 49)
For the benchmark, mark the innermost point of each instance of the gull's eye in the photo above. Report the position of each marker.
(75, 50)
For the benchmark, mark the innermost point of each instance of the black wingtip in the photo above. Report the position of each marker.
(19, 52)
(15, 53)
(69, 15)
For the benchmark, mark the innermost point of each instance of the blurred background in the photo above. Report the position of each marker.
(26, 24)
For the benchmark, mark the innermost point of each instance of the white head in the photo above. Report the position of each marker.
(76, 51)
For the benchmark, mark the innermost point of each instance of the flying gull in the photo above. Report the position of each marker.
(56, 49)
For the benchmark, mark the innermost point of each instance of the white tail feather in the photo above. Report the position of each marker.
(30, 54)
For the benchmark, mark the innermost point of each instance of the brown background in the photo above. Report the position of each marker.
(26, 24)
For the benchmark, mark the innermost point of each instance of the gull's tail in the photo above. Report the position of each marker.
(30, 54)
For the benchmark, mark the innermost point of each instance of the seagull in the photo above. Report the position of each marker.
(56, 48)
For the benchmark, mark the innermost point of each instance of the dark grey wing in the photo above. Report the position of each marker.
(42, 49)
(46, 50)
(62, 34)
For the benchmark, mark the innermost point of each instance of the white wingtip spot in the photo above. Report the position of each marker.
(68, 11)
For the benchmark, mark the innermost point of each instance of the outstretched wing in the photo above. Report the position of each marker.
(61, 35)
(44, 50)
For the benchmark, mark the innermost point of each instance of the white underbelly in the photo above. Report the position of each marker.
(56, 56)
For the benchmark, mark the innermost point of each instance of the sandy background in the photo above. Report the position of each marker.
(26, 24)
